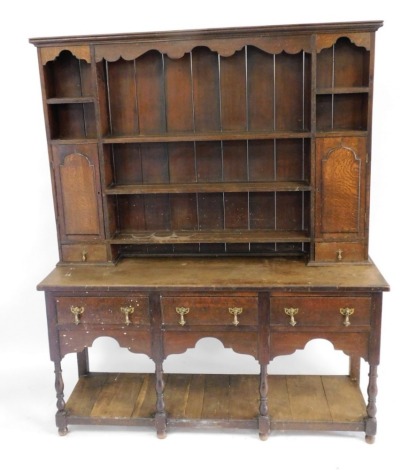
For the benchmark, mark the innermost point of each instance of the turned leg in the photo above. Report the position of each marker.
(61, 420)
(160, 418)
(264, 422)
(371, 423)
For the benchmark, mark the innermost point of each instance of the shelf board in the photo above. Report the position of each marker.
(74, 141)
(342, 90)
(208, 236)
(206, 136)
(341, 133)
(71, 100)
(295, 402)
(215, 187)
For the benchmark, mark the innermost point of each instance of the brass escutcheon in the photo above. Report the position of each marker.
(339, 255)
(77, 312)
(346, 312)
(182, 311)
(127, 311)
(291, 312)
(235, 311)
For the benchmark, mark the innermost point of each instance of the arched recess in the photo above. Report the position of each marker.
(210, 355)
(67, 73)
(352, 344)
(317, 357)
(343, 62)
(82, 338)
(107, 354)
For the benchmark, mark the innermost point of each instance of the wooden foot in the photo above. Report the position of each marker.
(63, 431)
(369, 439)
(162, 435)
(263, 436)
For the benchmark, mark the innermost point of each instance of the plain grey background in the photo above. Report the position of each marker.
(29, 251)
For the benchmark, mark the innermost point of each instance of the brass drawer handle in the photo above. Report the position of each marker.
(182, 311)
(77, 312)
(127, 311)
(346, 312)
(235, 311)
(291, 312)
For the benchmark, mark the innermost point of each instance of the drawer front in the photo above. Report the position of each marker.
(298, 311)
(82, 253)
(340, 252)
(103, 310)
(207, 310)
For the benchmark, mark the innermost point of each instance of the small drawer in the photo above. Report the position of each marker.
(84, 253)
(298, 311)
(340, 252)
(208, 310)
(103, 310)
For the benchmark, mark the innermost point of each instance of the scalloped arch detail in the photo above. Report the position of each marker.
(227, 342)
(358, 347)
(324, 41)
(224, 47)
(48, 54)
(78, 341)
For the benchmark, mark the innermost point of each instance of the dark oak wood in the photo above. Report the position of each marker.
(207, 400)
(215, 184)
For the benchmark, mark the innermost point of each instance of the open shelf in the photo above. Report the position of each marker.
(160, 188)
(230, 400)
(67, 77)
(72, 118)
(342, 111)
(73, 100)
(341, 90)
(206, 92)
(212, 236)
(205, 136)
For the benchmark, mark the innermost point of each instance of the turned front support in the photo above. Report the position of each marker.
(61, 421)
(371, 423)
(264, 421)
(160, 417)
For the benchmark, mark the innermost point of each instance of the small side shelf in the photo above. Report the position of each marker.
(71, 100)
(342, 90)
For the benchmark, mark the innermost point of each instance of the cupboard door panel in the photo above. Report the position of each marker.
(77, 186)
(341, 197)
